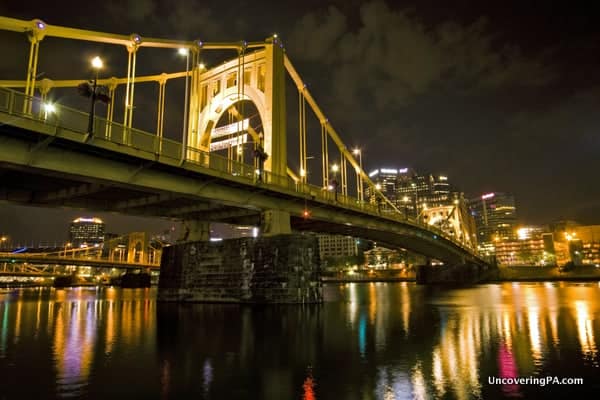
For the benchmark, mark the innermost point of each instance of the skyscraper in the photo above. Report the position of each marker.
(86, 232)
(495, 218)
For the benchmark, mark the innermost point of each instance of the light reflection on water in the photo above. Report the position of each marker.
(368, 341)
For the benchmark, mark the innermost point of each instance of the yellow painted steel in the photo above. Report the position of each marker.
(17, 25)
(331, 131)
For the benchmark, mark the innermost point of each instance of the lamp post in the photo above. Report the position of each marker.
(97, 64)
(260, 156)
(405, 200)
(185, 52)
(334, 183)
(67, 245)
(378, 199)
(359, 182)
(414, 186)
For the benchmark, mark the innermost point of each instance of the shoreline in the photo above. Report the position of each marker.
(503, 274)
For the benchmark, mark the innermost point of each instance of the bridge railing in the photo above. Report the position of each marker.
(60, 116)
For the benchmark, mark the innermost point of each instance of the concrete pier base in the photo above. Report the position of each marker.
(275, 269)
(454, 274)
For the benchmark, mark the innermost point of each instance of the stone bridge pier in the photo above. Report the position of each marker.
(274, 268)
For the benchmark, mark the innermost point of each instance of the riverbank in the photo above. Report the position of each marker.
(384, 275)
(504, 274)
(516, 274)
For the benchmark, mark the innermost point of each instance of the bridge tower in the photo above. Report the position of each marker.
(278, 267)
(258, 77)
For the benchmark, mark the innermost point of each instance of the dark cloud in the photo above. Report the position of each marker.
(395, 57)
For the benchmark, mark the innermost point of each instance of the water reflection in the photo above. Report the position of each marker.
(585, 330)
(66, 327)
(381, 341)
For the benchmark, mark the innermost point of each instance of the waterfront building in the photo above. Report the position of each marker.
(86, 232)
(383, 258)
(337, 246)
(531, 245)
(495, 217)
(577, 244)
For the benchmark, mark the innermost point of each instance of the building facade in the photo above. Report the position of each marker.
(86, 232)
(532, 246)
(495, 217)
(411, 192)
(577, 244)
(336, 246)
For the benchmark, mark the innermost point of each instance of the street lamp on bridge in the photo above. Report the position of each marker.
(405, 200)
(414, 186)
(92, 90)
(334, 183)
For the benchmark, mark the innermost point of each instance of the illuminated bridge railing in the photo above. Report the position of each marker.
(68, 119)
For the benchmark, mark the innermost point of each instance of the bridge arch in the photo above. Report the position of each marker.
(257, 77)
(212, 113)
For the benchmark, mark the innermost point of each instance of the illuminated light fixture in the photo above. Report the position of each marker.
(94, 220)
(97, 63)
(356, 152)
(443, 178)
(389, 171)
(524, 233)
(199, 43)
(335, 168)
(306, 214)
(373, 173)
(40, 24)
(487, 196)
(403, 170)
(214, 239)
(183, 51)
(49, 108)
(201, 66)
(274, 36)
(135, 38)
(405, 199)
(302, 172)
(257, 171)
(329, 187)
(378, 186)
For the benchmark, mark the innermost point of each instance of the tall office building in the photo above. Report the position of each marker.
(86, 232)
(495, 218)
(387, 180)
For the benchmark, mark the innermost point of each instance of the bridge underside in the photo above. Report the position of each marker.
(45, 189)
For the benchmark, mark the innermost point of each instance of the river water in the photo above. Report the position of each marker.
(367, 341)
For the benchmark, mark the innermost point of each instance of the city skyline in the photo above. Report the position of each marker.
(488, 94)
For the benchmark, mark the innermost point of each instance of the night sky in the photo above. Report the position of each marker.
(498, 95)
